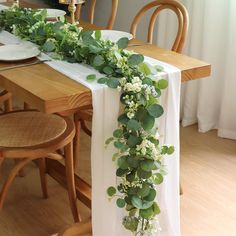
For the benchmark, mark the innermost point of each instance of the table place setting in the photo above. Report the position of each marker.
(129, 92)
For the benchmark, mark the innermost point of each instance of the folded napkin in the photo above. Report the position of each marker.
(106, 217)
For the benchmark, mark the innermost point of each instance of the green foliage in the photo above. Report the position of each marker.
(111, 191)
(139, 155)
(122, 43)
(91, 77)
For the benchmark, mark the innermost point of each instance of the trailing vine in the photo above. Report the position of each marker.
(139, 155)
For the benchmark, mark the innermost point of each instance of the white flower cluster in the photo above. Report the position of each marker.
(131, 109)
(148, 148)
(149, 90)
(134, 86)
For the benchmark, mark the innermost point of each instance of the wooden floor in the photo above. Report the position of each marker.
(208, 206)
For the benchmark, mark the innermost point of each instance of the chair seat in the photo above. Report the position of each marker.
(29, 128)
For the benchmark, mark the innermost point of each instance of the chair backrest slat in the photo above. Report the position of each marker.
(161, 5)
(112, 16)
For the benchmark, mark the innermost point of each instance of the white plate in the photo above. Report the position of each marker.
(13, 52)
(115, 35)
(54, 13)
(2, 7)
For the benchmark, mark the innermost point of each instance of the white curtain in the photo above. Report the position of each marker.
(212, 37)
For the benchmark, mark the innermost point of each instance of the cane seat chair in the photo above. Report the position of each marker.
(112, 17)
(34, 136)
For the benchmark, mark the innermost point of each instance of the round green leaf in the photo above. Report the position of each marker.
(49, 46)
(111, 191)
(148, 122)
(158, 178)
(147, 165)
(102, 80)
(130, 223)
(118, 133)
(155, 110)
(98, 61)
(123, 119)
(144, 68)
(171, 150)
(156, 208)
(133, 125)
(139, 203)
(151, 196)
(162, 84)
(130, 177)
(98, 34)
(123, 43)
(146, 213)
(144, 191)
(144, 174)
(133, 141)
(108, 70)
(120, 172)
(118, 144)
(133, 162)
(91, 77)
(122, 163)
(120, 203)
(113, 83)
(135, 59)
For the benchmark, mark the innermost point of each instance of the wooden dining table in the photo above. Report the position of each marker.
(49, 91)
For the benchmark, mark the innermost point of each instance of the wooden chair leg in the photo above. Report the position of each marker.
(26, 106)
(71, 180)
(1, 161)
(76, 141)
(21, 172)
(78, 12)
(43, 176)
(11, 177)
(8, 105)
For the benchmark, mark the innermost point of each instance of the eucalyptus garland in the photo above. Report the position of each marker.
(139, 155)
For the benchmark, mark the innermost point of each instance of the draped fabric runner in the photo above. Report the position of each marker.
(107, 218)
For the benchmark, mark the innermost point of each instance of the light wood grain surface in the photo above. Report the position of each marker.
(49, 91)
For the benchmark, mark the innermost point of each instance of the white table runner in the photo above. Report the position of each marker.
(106, 217)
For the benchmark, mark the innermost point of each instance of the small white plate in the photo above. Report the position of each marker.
(115, 35)
(17, 52)
(54, 13)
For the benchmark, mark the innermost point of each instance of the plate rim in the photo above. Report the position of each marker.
(121, 31)
(37, 52)
(55, 9)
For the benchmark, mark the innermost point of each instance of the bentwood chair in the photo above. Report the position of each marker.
(92, 3)
(86, 115)
(34, 136)
(160, 5)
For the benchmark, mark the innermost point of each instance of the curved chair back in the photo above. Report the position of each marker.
(160, 5)
(112, 17)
